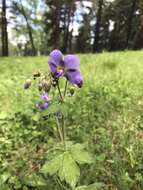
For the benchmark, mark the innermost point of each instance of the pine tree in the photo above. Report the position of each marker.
(97, 26)
(19, 10)
(4, 34)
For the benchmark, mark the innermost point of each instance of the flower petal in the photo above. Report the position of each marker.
(55, 59)
(75, 78)
(71, 62)
(42, 106)
(58, 73)
(45, 97)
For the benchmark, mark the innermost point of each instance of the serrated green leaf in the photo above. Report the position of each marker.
(4, 177)
(61, 165)
(80, 155)
(69, 170)
(36, 117)
(94, 186)
(78, 146)
(84, 187)
(52, 167)
(34, 181)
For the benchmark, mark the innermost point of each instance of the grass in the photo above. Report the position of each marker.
(107, 114)
(96, 69)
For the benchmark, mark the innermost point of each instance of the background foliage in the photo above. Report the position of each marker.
(36, 26)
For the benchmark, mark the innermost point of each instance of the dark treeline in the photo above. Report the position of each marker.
(71, 25)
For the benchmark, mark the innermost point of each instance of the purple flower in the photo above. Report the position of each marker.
(69, 67)
(44, 97)
(71, 63)
(41, 106)
(55, 63)
(44, 104)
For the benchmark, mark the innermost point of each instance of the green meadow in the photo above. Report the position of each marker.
(106, 115)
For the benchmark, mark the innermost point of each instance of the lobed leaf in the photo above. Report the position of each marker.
(69, 171)
(65, 167)
(80, 155)
(34, 181)
(94, 186)
(53, 166)
(4, 177)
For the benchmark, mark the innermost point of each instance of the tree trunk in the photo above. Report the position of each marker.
(66, 37)
(71, 36)
(56, 27)
(129, 22)
(31, 39)
(97, 27)
(139, 36)
(69, 19)
(29, 31)
(64, 27)
(4, 30)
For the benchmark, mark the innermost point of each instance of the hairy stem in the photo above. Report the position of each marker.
(63, 131)
(59, 91)
(59, 130)
(65, 88)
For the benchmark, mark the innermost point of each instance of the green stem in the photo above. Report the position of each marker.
(65, 88)
(59, 130)
(59, 91)
(63, 132)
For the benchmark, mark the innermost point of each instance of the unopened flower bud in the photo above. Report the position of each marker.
(46, 85)
(40, 86)
(72, 91)
(54, 82)
(36, 74)
(27, 84)
(80, 84)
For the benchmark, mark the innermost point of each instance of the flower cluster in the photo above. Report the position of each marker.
(42, 106)
(67, 67)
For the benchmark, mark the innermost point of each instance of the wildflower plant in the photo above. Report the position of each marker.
(64, 158)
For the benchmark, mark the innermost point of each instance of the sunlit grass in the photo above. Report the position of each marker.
(96, 69)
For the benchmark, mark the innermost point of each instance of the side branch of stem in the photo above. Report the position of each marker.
(59, 130)
(59, 91)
